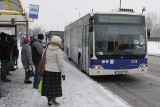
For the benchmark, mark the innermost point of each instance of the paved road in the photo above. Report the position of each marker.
(139, 90)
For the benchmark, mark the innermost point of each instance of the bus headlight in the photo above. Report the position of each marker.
(143, 65)
(97, 67)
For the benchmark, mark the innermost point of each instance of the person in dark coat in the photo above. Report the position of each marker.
(4, 56)
(37, 49)
(26, 58)
(33, 39)
(54, 70)
(14, 52)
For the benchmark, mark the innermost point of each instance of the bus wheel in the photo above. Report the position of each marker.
(80, 62)
(68, 55)
(69, 58)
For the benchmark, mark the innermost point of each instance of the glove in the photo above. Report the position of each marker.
(63, 77)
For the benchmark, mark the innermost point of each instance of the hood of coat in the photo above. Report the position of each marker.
(52, 47)
(50, 43)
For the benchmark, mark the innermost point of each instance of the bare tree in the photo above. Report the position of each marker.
(153, 23)
(38, 30)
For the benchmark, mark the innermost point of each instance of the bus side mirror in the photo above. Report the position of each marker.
(91, 24)
(148, 33)
(90, 29)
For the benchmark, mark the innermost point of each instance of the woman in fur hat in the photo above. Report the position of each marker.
(51, 85)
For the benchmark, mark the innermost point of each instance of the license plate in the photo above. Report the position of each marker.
(120, 72)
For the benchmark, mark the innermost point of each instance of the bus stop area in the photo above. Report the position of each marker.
(11, 17)
(78, 91)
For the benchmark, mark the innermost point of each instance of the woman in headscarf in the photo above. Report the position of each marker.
(26, 58)
(51, 85)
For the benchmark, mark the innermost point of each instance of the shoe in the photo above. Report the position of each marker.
(49, 103)
(28, 82)
(55, 102)
(7, 80)
(12, 69)
(8, 74)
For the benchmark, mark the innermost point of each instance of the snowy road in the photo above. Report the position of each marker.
(139, 90)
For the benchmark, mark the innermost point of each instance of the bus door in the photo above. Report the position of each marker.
(85, 55)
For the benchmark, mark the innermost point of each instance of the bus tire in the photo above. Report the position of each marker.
(79, 62)
(69, 58)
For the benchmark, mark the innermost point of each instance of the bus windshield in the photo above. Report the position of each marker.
(120, 39)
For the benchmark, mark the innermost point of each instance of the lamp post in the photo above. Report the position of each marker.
(78, 11)
(27, 24)
(57, 24)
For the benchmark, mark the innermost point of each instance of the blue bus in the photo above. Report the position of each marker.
(108, 43)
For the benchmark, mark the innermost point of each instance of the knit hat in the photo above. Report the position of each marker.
(40, 36)
(56, 40)
(26, 40)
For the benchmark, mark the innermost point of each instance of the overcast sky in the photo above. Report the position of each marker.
(56, 12)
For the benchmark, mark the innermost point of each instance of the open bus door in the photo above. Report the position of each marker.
(85, 48)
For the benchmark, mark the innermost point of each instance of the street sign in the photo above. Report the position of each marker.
(33, 11)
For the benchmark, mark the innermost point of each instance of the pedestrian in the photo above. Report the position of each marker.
(26, 57)
(33, 39)
(4, 56)
(14, 52)
(37, 50)
(54, 70)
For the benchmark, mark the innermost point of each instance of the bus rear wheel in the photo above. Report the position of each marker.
(80, 62)
(69, 58)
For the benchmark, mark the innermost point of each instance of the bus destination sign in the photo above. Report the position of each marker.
(119, 19)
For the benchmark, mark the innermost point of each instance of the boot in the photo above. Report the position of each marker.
(27, 81)
(49, 101)
(55, 102)
(6, 80)
(8, 73)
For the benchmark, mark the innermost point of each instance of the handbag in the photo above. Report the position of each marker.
(41, 65)
(29, 71)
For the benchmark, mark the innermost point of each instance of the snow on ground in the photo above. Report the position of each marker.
(78, 91)
(153, 48)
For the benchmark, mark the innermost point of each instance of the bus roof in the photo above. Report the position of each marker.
(124, 13)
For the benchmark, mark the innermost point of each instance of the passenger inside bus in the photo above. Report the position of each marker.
(126, 42)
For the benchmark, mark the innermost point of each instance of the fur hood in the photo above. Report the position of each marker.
(53, 43)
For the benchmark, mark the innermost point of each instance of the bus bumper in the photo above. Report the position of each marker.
(98, 72)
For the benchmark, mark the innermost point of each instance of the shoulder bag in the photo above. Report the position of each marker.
(41, 65)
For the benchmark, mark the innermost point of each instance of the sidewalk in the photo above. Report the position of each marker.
(78, 91)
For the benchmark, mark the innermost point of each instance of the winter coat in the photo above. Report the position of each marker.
(14, 50)
(26, 55)
(37, 50)
(5, 50)
(54, 59)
